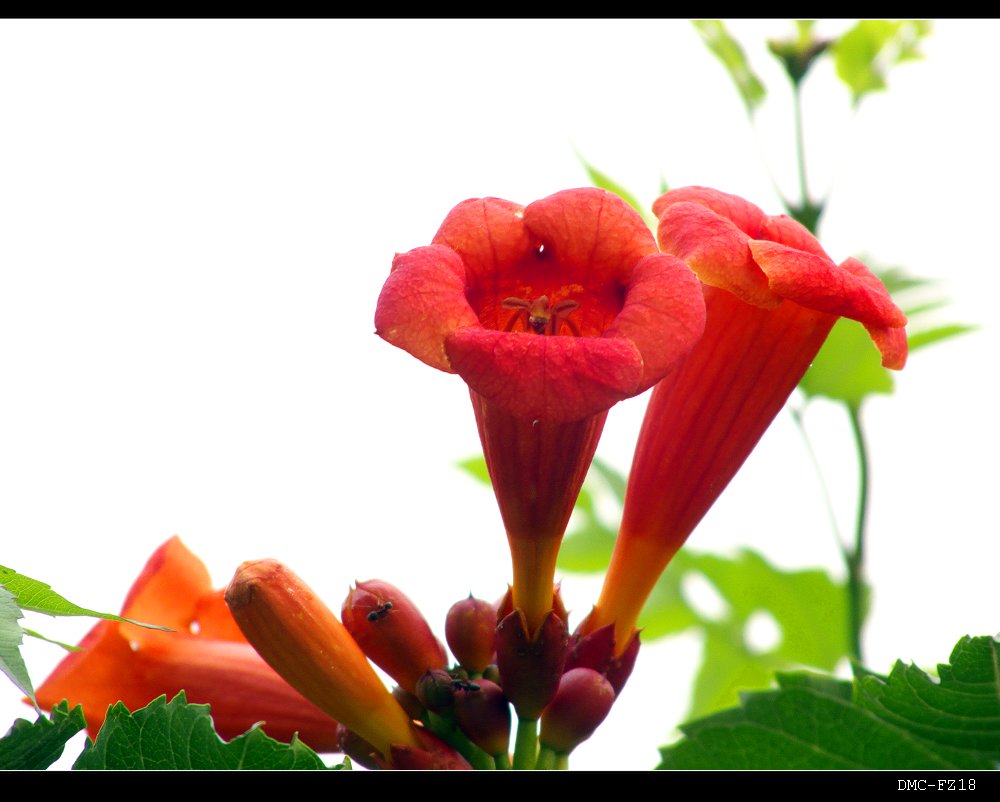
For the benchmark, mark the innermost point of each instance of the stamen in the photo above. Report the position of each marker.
(537, 316)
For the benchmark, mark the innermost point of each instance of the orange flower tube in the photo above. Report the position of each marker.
(772, 295)
(551, 313)
(304, 642)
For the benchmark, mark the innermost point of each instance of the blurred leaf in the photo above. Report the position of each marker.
(808, 608)
(612, 478)
(865, 53)
(40, 598)
(938, 334)
(729, 52)
(476, 468)
(11, 662)
(603, 181)
(587, 550)
(907, 720)
(33, 746)
(848, 367)
(178, 735)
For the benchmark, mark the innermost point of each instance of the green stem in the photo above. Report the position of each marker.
(562, 761)
(445, 728)
(546, 759)
(502, 760)
(800, 147)
(526, 743)
(824, 488)
(856, 557)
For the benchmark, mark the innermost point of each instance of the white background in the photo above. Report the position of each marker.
(195, 222)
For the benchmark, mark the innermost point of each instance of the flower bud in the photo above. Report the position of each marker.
(391, 631)
(530, 667)
(470, 630)
(432, 754)
(596, 650)
(483, 714)
(582, 702)
(304, 642)
(435, 690)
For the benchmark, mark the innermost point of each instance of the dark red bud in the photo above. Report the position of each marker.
(435, 690)
(483, 714)
(582, 702)
(357, 748)
(470, 629)
(597, 651)
(530, 668)
(391, 631)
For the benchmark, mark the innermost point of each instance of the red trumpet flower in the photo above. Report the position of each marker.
(772, 297)
(207, 657)
(551, 313)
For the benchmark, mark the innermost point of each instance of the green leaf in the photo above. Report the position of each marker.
(587, 550)
(178, 735)
(865, 53)
(938, 334)
(40, 598)
(907, 720)
(848, 367)
(729, 52)
(11, 662)
(31, 746)
(476, 468)
(602, 180)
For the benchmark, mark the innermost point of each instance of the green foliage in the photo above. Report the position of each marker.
(729, 52)
(37, 745)
(865, 53)
(11, 662)
(907, 720)
(178, 735)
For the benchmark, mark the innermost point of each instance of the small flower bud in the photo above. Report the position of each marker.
(470, 630)
(432, 754)
(582, 702)
(596, 650)
(435, 690)
(391, 631)
(483, 714)
(492, 673)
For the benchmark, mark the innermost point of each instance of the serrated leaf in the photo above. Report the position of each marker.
(729, 52)
(31, 594)
(904, 721)
(178, 735)
(32, 746)
(602, 180)
(865, 53)
(11, 662)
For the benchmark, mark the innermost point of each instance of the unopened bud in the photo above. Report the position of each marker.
(304, 642)
(435, 690)
(596, 650)
(483, 714)
(391, 631)
(470, 629)
(582, 702)
(432, 754)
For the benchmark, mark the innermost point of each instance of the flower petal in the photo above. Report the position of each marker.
(849, 289)
(555, 379)
(422, 301)
(663, 315)
(594, 230)
(490, 236)
(715, 248)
